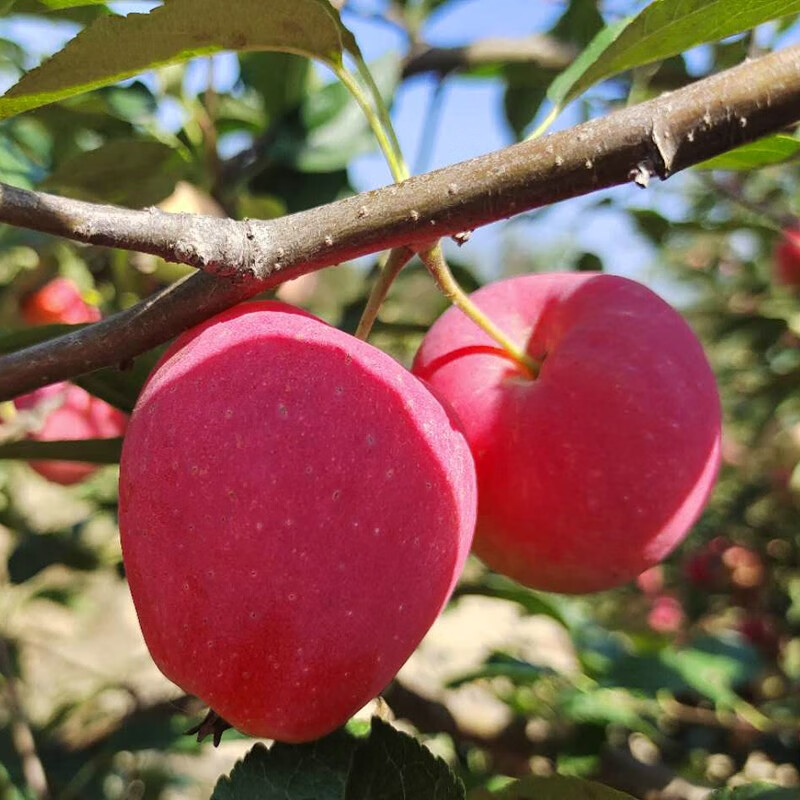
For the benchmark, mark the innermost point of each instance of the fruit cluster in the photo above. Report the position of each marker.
(296, 507)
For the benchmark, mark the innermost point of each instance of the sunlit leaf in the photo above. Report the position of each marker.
(663, 29)
(763, 153)
(114, 48)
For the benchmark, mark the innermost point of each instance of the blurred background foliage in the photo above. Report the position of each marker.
(687, 681)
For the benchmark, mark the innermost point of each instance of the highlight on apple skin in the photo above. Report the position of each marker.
(295, 509)
(596, 469)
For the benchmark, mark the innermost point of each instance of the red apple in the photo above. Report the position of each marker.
(595, 470)
(58, 301)
(69, 413)
(787, 258)
(666, 614)
(295, 508)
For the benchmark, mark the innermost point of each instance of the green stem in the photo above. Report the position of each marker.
(383, 114)
(383, 133)
(396, 260)
(434, 260)
(546, 123)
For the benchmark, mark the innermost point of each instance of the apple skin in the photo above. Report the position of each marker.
(787, 258)
(72, 413)
(58, 301)
(595, 470)
(295, 509)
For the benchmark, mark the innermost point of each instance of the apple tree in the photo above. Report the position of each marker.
(224, 520)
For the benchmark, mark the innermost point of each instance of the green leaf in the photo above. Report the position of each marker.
(556, 607)
(39, 551)
(500, 665)
(557, 787)
(90, 451)
(662, 29)
(763, 153)
(712, 666)
(114, 48)
(27, 337)
(280, 78)
(314, 771)
(392, 766)
(330, 129)
(385, 765)
(127, 172)
(603, 707)
(755, 791)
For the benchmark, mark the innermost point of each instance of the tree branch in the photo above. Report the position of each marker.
(537, 49)
(657, 138)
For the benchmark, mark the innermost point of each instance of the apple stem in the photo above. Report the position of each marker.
(434, 260)
(395, 261)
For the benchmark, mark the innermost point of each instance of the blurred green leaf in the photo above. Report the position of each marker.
(763, 153)
(526, 89)
(662, 29)
(282, 80)
(330, 129)
(500, 665)
(91, 451)
(27, 337)
(114, 48)
(556, 607)
(38, 551)
(132, 172)
(557, 787)
(604, 707)
(712, 666)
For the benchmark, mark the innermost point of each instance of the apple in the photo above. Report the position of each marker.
(68, 413)
(59, 300)
(295, 509)
(595, 470)
(666, 614)
(787, 258)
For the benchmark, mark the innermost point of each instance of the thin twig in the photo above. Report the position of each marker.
(732, 190)
(21, 734)
(542, 50)
(395, 261)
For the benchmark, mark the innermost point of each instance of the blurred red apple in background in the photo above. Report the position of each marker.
(58, 301)
(596, 469)
(68, 412)
(787, 258)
